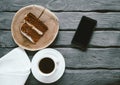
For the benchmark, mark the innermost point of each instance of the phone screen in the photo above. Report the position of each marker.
(84, 32)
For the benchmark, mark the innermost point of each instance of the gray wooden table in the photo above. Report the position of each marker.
(100, 65)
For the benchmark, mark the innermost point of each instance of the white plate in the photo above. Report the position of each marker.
(59, 71)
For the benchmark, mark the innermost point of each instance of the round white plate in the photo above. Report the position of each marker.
(60, 68)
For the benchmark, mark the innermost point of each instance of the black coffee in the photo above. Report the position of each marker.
(46, 65)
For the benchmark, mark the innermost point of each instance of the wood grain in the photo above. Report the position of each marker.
(6, 20)
(4, 51)
(70, 20)
(6, 39)
(63, 5)
(93, 58)
(84, 77)
(101, 58)
(100, 64)
(99, 39)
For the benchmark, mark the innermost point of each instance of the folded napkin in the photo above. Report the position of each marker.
(14, 67)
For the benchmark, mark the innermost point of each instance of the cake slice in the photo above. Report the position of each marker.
(30, 33)
(39, 25)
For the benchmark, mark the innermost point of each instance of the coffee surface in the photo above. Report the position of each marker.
(46, 65)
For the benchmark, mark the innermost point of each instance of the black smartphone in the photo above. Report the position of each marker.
(84, 32)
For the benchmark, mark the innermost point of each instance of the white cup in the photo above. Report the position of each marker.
(53, 75)
(55, 65)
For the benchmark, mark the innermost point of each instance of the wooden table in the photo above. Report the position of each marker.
(100, 64)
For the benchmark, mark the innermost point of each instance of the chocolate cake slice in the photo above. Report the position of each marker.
(30, 33)
(39, 25)
(33, 28)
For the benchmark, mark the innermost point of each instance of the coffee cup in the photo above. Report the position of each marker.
(48, 65)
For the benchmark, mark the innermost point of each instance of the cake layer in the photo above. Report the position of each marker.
(32, 19)
(41, 33)
(30, 33)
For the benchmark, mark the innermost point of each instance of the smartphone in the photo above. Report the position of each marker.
(84, 32)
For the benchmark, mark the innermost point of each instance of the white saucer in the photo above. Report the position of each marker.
(59, 71)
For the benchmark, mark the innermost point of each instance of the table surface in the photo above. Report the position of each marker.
(100, 64)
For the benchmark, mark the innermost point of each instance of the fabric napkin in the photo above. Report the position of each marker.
(14, 67)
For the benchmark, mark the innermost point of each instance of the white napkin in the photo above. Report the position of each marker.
(14, 67)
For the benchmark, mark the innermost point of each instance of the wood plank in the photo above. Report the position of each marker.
(101, 58)
(93, 58)
(70, 20)
(100, 38)
(84, 77)
(4, 51)
(62, 5)
(6, 39)
(5, 20)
